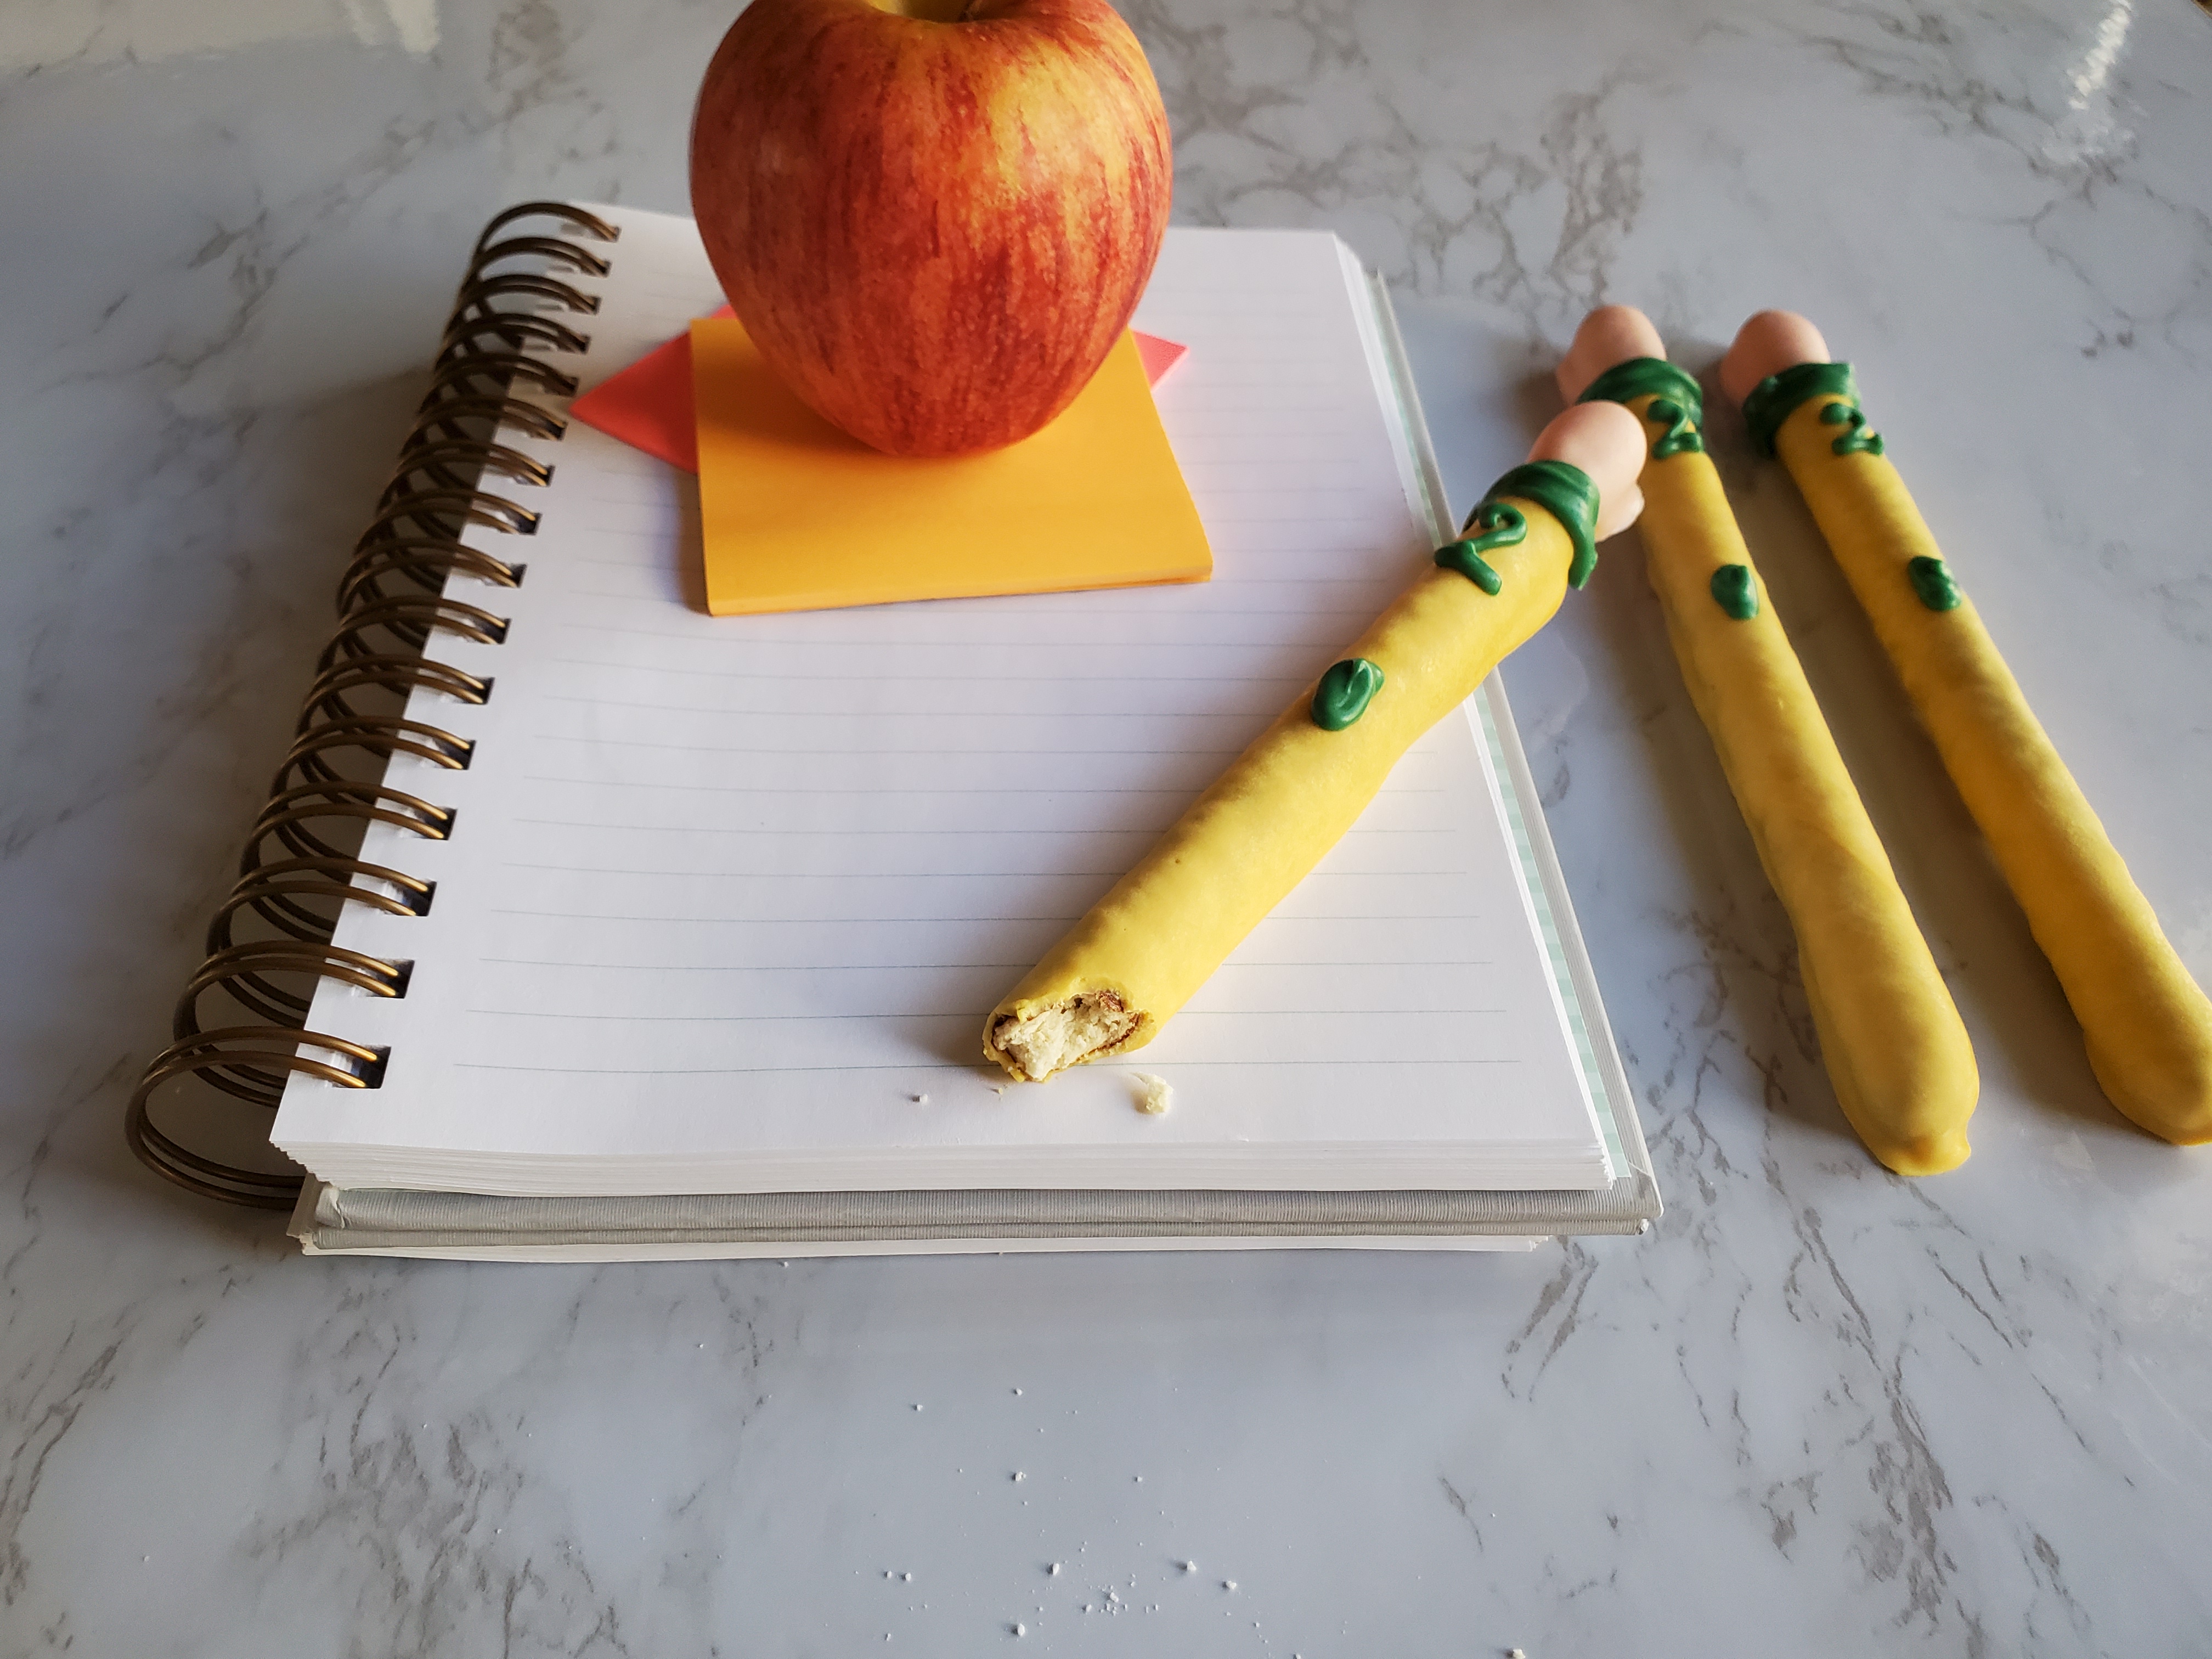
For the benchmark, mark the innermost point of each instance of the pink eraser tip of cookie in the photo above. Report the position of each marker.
(1609, 335)
(1605, 442)
(1770, 343)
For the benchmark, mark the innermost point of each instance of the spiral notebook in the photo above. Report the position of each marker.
(636, 932)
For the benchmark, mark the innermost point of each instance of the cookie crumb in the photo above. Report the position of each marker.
(1154, 1095)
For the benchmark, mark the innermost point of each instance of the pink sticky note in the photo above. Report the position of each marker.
(1158, 355)
(648, 404)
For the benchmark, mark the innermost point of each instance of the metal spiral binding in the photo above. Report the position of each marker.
(390, 599)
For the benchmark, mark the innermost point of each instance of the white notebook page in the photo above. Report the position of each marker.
(726, 894)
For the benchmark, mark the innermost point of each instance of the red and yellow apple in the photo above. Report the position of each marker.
(934, 218)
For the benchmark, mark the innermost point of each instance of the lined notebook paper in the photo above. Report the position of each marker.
(727, 899)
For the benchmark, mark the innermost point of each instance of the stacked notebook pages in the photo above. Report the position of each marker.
(669, 935)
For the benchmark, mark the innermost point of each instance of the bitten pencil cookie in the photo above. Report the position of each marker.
(1127, 966)
(2147, 1024)
(1890, 1034)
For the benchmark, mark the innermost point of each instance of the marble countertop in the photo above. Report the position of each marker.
(1820, 1409)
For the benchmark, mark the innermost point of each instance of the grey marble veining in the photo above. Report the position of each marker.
(1821, 1410)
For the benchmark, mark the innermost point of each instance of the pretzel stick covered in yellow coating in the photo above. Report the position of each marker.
(1141, 951)
(2147, 1024)
(1890, 1034)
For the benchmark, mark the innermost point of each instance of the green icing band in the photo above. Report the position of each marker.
(1501, 526)
(1344, 693)
(1858, 441)
(1933, 583)
(1774, 398)
(1677, 402)
(1736, 593)
(1563, 492)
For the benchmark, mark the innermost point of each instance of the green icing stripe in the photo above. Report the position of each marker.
(1649, 376)
(1736, 593)
(1677, 403)
(1856, 441)
(1501, 526)
(1460, 555)
(1774, 398)
(1681, 436)
(1344, 693)
(1933, 583)
(1568, 495)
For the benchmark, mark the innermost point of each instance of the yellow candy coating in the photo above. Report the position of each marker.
(1162, 930)
(2147, 1024)
(1890, 1037)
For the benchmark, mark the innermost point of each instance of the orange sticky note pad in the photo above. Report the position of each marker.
(797, 516)
(648, 404)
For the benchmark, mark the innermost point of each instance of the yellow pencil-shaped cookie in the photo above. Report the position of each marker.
(1141, 951)
(2147, 1024)
(1894, 1046)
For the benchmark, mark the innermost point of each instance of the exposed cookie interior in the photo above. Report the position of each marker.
(1067, 1032)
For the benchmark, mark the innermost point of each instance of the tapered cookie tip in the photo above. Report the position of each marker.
(1923, 1155)
(2161, 1078)
(1605, 442)
(1768, 343)
(1609, 335)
